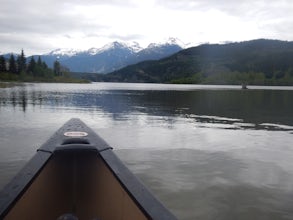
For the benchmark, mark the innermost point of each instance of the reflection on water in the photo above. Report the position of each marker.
(214, 185)
(259, 109)
(213, 152)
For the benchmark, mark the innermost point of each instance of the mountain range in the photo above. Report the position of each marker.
(258, 61)
(261, 62)
(112, 56)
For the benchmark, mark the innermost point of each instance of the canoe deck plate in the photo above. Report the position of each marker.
(75, 134)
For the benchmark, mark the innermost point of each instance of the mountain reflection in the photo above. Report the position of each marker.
(230, 109)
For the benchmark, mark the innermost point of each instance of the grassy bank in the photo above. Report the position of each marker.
(8, 77)
(9, 84)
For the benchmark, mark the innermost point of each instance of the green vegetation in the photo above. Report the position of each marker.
(19, 70)
(257, 62)
(9, 84)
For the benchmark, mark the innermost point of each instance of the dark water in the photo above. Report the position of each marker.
(207, 152)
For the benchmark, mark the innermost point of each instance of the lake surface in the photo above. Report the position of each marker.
(207, 152)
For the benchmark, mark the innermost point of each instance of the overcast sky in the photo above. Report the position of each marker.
(40, 26)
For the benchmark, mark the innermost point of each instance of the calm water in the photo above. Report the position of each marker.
(207, 152)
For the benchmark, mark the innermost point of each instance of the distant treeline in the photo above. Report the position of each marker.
(18, 68)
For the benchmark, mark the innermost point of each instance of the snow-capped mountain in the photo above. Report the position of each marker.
(134, 47)
(156, 51)
(63, 52)
(169, 41)
(112, 56)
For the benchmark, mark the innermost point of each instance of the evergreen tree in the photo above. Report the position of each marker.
(39, 62)
(31, 66)
(57, 68)
(44, 65)
(12, 64)
(2, 64)
(21, 62)
(18, 68)
(39, 70)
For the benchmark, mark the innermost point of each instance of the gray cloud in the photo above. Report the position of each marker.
(125, 3)
(244, 9)
(273, 18)
(226, 5)
(14, 43)
(35, 16)
(34, 24)
(129, 37)
(41, 20)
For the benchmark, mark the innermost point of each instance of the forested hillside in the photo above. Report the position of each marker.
(263, 62)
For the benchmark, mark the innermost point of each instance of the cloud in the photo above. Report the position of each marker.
(265, 18)
(44, 20)
(44, 25)
(36, 16)
(129, 37)
(259, 11)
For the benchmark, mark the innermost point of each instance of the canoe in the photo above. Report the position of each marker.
(76, 173)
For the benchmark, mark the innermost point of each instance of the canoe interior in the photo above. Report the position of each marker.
(78, 183)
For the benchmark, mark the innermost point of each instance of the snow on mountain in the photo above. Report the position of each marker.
(132, 46)
(169, 41)
(64, 52)
(107, 47)
(93, 51)
(110, 46)
(176, 41)
(112, 56)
